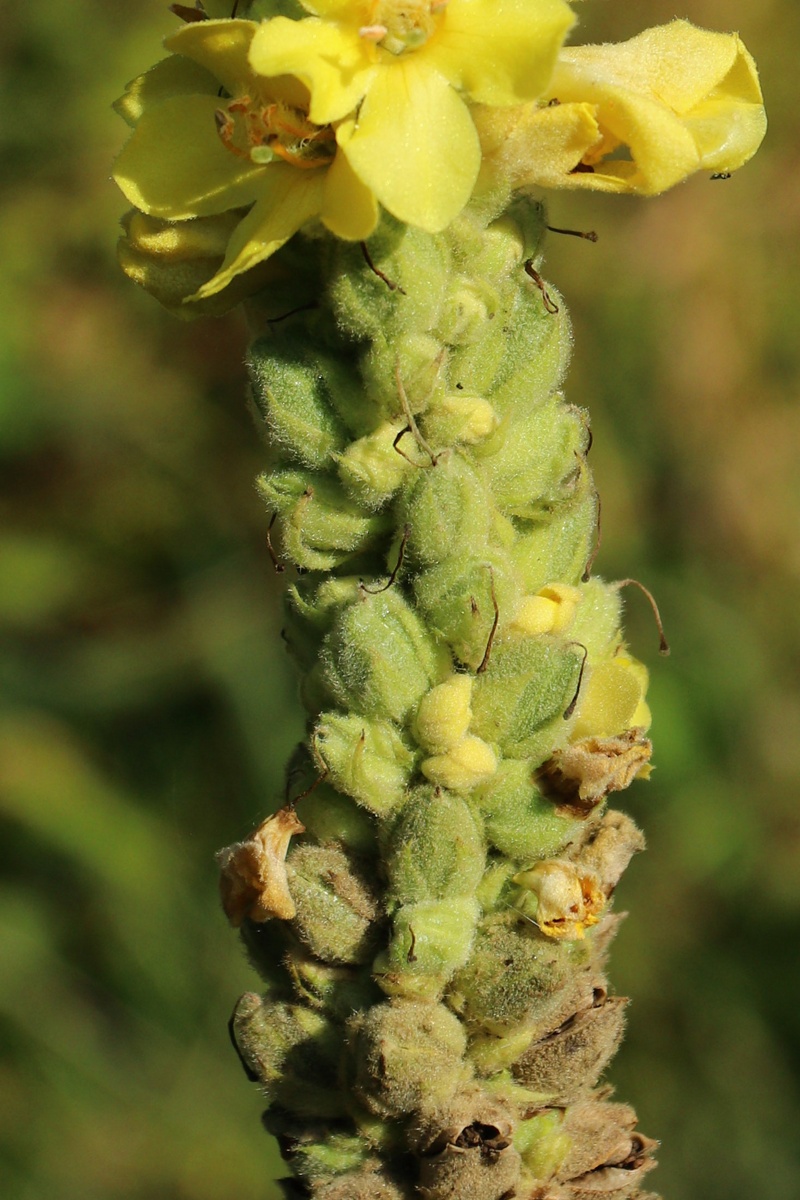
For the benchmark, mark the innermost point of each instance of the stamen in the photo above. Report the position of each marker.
(373, 33)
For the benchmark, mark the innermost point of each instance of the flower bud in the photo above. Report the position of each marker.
(526, 688)
(530, 461)
(430, 941)
(371, 468)
(292, 396)
(520, 821)
(463, 767)
(513, 975)
(321, 526)
(551, 610)
(332, 818)
(543, 1144)
(460, 419)
(378, 659)
(371, 1182)
(607, 1157)
(462, 597)
(337, 992)
(367, 759)
(612, 700)
(293, 1052)
(444, 714)
(447, 510)
(337, 909)
(434, 850)
(559, 545)
(406, 1055)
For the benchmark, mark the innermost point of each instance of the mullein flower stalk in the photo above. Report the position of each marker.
(430, 903)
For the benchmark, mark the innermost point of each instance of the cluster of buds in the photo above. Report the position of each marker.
(430, 905)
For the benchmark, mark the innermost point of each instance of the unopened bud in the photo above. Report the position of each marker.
(463, 767)
(444, 714)
(435, 848)
(371, 468)
(430, 941)
(336, 906)
(570, 1061)
(551, 610)
(520, 821)
(367, 759)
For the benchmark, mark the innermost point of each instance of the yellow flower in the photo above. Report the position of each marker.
(636, 117)
(392, 74)
(210, 136)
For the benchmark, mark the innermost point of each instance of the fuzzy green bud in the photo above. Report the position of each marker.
(372, 468)
(331, 817)
(462, 597)
(430, 940)
(406, 1055)
(447, 510)
(293, 1052)
(292, 395)
(367, 759)
(336, 906)
(527, 687)
(520, 821)
(321, 526)
(435, 849)
(542, 1143)
(378, 659)
(570, 1061)
(338, 992)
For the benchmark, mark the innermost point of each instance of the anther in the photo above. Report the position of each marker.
(392, 286)
(493, 630)
(663, 644)
(398, 565)
(570, 709)
(549, 304)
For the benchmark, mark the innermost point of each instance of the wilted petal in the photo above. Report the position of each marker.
(530, 146)
(414, 144)
(500, 51)
(176, 166)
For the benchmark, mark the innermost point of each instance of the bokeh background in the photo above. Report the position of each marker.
(147, 704)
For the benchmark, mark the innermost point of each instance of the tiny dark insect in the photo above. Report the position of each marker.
(722, 175)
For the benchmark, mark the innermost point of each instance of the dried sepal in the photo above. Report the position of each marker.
(580, 776)
(253, 879)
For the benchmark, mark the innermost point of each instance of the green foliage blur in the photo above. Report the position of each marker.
(148, 706)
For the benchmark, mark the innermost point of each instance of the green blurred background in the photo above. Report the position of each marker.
(147, 704)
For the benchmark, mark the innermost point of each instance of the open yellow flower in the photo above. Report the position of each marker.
(211, 136)
(636, 117)
(396, 74)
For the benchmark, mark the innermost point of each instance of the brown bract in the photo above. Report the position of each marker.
(253, 879)
(581, 776)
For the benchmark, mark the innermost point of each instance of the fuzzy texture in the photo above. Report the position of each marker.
(437, 1021)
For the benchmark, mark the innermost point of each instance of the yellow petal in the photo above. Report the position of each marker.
(288, 198)
(176, 166)
(173, 76)
(414, 144)
(530, 146)
(500, 51)
(342, 10)
(669, 102)
(349, 209)
(221, 47)
(331, 60)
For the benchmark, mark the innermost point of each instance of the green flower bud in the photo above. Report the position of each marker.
(371, 1182)
(293, 1052)
(513, 975)
(372, 468)
(447, 510)
(535, 355)
(530, 462)
(568, 1062)
(519, 821)
(559, 544)
(473, 302)
(337, 992)
(406, 1055)
(318, 1154)
(337, 909)
(597, 618)
(461, 598)
(526, 688)
(430, 941)
(321, 527)
(292, 395)
(459, 419)
(378, 659)
(332, 818)
(434, 849)
(367, 759)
